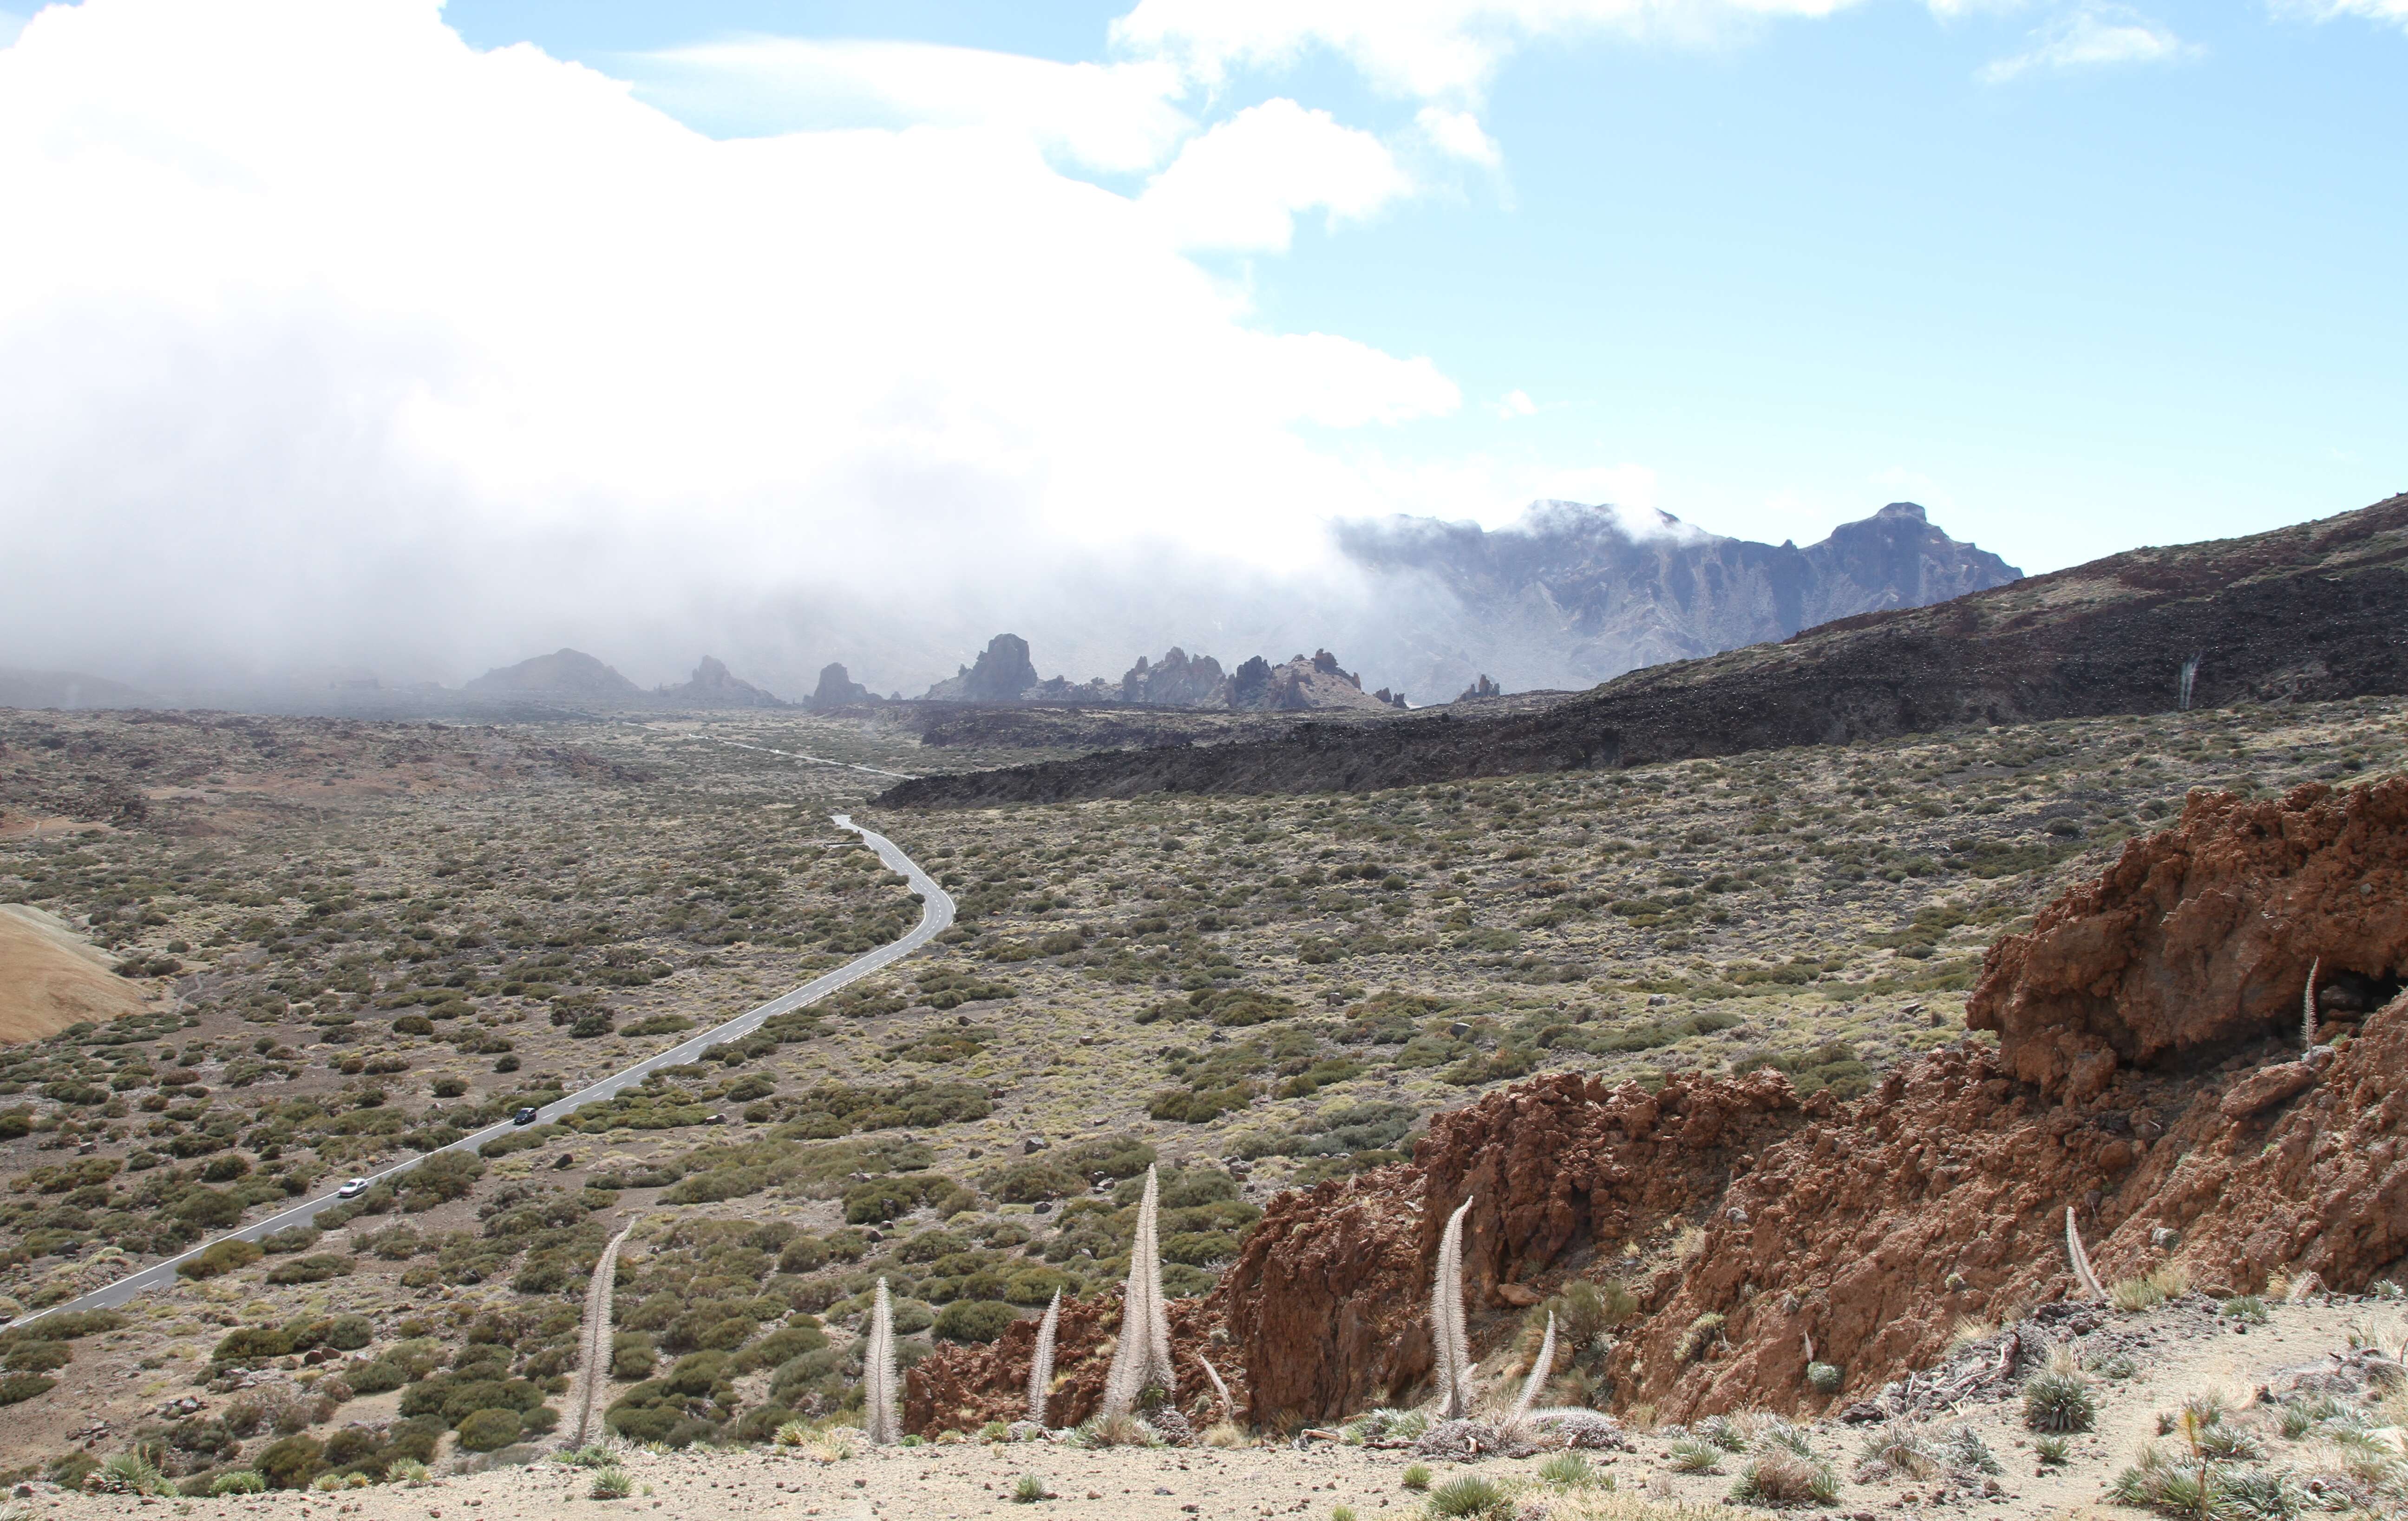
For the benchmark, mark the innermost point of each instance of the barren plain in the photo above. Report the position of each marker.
(352, 940)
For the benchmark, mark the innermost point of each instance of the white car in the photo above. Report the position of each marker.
(352, 1189)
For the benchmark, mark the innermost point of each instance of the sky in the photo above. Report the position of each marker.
(423, 328)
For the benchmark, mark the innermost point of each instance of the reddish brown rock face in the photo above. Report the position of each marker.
(2199, 940)
(961, 1388)
(2148, 1078)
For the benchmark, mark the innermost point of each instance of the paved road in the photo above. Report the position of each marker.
(936, 913)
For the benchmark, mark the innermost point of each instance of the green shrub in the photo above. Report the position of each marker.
(1029, 1489)
(30, 1355)
(1472, 1495)
(2059, 1401)
(310, 1270)
(378, 1377)
(290, 1463)
(632, 1356)
(488, 1431)
(291, 1239)
(252, 1345)
(1416, 1476)
(16, 1388)
(222, 1258)
(237, 1482)
(973, 1320)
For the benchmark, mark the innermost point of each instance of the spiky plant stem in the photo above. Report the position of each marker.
(1041, 1364)
(880, 1418)
(1144, 1357)
(1447, 1334)
(2308, 1008)
(1220, 1390)
(2080, 1258)
(1539, 1371)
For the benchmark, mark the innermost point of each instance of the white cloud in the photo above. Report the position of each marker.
(1240, 186)
(1428, 49)
(312, 317)
(2093, 38)
(1515, 403)
(1115, 118)
(2394, 11)
(1458, 135)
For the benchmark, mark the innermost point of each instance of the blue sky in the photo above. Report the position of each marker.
(1800, 265)
(422, 334)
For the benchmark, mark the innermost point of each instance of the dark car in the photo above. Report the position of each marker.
(525, 1116)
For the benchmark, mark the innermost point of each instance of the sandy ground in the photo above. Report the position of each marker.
(2182, 1351)
(51, 977)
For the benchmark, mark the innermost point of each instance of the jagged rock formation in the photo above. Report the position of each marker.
(2310, 612)
(1176, 681)
(837, 689)
(568, 675)
(1572, 596)
(1301, 684)
(1003, 673)
(1482, 687)
(1874, 1228)
(2196, 943)
(714, 686)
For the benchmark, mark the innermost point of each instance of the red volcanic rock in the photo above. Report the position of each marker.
(963, 1387)
(2145, 1078)
(1329, 1302)
(2200, 939)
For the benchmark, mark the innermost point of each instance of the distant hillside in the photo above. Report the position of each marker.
(565, 673)
(2310, 612)
(1572, 595)
(67, 689)
(714, 686)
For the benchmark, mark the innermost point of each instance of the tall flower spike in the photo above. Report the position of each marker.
(1220, 1390)
(1143, 1356)
(1040, 1365)
(2308, 1008)
(880, 1418)
(1540, 1371)
(2080, 1258)
(1447, 1334)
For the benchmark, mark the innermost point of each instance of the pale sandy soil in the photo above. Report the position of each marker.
(2185, 1355)
(51, 977)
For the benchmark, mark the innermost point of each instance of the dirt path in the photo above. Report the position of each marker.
(593, 1337)
(2178, 1353)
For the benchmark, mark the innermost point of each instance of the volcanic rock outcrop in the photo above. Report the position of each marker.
(837, 689)
(961, 1388)
(1176, 681)
(2200, 938)
(713, 685)
(1745, 1222)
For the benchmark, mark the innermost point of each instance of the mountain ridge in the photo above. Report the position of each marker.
(2306, 613)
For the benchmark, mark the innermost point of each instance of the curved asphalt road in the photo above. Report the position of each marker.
(936, 913)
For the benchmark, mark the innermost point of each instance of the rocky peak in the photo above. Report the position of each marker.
(837, 689)
(714, 686)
